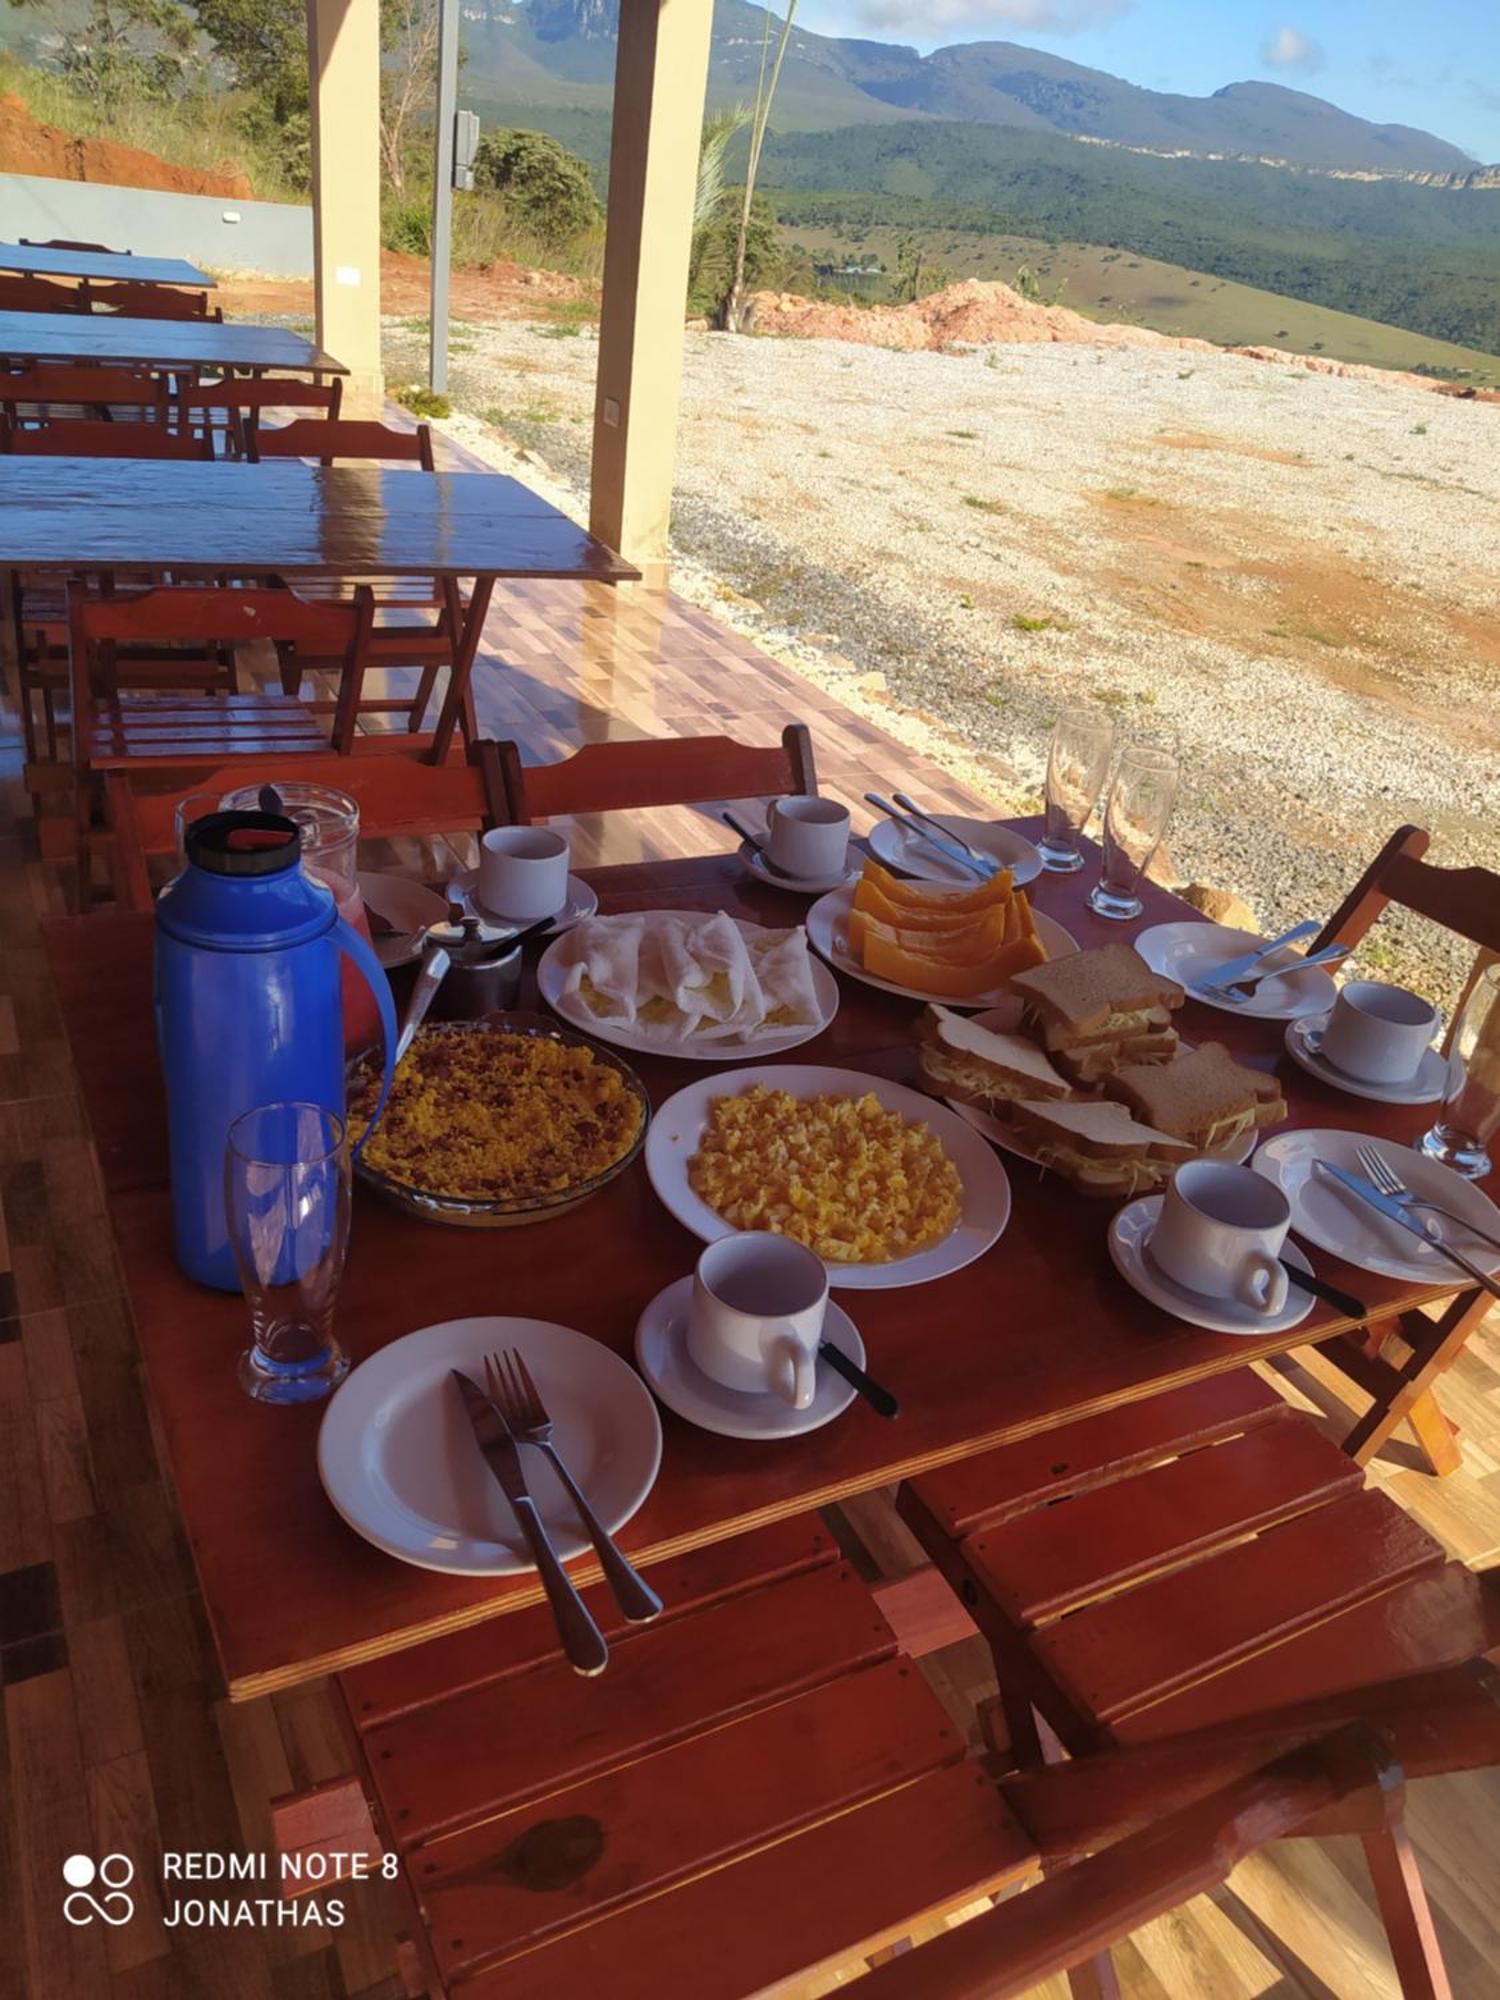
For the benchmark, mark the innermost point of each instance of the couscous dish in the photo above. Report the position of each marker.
(853, 1181)
(498, 1116)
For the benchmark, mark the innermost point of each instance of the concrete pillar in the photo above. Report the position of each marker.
(343, 55)
(661, 74)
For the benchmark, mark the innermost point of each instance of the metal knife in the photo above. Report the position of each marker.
(1394, 1212)
(582, 1640)
(1236, 968)
(940, 841)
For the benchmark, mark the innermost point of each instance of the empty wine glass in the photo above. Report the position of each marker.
(1135, 818)
(1471, 1104)
(286, 1193)
(1082, 741)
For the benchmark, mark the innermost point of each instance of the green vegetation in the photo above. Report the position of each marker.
(546, 187)
(985, 506)
(1023, 623)
(424, 402)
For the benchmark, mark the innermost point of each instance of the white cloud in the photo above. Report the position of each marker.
(1289, 48)
(932, 18)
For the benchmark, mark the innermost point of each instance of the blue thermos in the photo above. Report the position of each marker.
(249, 1009)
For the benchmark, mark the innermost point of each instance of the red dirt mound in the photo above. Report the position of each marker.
(29, 147)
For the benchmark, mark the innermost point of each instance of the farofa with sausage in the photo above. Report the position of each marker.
(853, 1181)
(497, 1117)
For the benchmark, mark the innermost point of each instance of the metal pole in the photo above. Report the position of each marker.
(442, 191)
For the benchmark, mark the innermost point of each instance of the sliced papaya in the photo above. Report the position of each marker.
(932, 896)
(888, 959)
(912, 916)
(976, 941)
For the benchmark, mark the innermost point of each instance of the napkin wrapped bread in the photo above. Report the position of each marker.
(672, 975)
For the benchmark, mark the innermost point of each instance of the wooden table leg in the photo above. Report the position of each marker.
(1404, 1392)
(463, 666)
(1436, 1436)
(1407, 1916)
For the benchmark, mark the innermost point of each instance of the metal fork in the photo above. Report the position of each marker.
(1239, 992)
(515, 1394)
(1385, 1177)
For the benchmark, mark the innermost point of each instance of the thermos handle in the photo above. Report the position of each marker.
(349, 940)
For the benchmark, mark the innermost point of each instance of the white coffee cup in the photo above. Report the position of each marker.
(808, 837)
(523, 872)
(1220, 1234)
(756, 1315)
(1378, 1033)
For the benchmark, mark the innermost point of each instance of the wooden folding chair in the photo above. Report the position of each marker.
(657, 771)
(404, 636)
(20, 294)
(761, 1790)
(88, 437)
(138, 301)
(1197, 1572)
(232, 408)
(119, 736)
(49, 390)
(400, 795)
(1467, 902)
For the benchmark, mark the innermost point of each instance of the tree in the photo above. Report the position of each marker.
(408, 83)
(765, 91)
(126, 48)
(719, 129)
(545, 186)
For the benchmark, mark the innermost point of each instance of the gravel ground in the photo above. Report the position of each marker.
(1288, 578)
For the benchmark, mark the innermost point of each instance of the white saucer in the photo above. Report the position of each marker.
(753, 862)
(581, 903)
(1189, 951)
(662, 1356)
(1426, 1087)
(898, 847)
(1129, 1234)
(400, 1462)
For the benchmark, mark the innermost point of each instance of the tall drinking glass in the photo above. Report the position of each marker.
(1471, 1105)
(286, 1191)
(191, 806)
(1082, 741)
(1135, 818)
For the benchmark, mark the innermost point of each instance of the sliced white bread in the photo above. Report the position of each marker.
(1091, 1145)
(975, 1065)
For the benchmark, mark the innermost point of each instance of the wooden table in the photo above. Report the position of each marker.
(107, 265)
(1040, 1330)
(289, 519)
(161, 343)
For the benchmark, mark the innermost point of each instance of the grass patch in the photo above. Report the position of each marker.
(423, 402)
(985, 506)
(533, 414)
(1046, 623)
(961, 434)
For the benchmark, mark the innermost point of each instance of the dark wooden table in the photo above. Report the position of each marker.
(109, 266)
(161, 343)
(289, 519)
(1038, 1331)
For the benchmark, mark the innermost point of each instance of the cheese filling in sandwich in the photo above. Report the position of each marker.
(1098, 1146)
(975, 1065)
(1102, 996)
(1203, 1096)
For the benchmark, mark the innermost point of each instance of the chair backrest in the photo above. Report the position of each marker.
(137, 301)
(63, 243)
(332, 440)
(263, 392)
(19, 294)
(212, 615)
(400, 795)
(68, 384)
(88, 437)
(670, 771)
(1463, 900)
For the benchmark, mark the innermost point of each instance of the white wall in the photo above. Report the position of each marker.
(272, 237)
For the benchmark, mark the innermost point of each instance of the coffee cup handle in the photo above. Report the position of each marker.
(1262, 1283)
(793, 1376)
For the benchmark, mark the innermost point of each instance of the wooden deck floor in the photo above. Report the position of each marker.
(115, 1734)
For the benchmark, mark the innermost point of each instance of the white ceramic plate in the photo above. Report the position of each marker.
(1336, 1220)
(1005, 1020)
(581, 903)
(400, 1463)
(1426, 1087)
(795, 885)
(661, 1352)
(408, 905)
(678, 1126)
(552, 970)
(1190, 951)
(898, 848)
(1129, 1235)
(828, 934)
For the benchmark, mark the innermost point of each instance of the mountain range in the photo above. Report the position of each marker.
(562, 51)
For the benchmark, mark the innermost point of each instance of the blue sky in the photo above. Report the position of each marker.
(1436, 66)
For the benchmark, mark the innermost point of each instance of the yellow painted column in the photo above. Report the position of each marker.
(661, 75)
(343, 56)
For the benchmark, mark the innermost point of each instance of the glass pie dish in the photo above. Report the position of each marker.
(501, 1211)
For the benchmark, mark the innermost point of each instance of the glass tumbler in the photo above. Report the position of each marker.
(286, 1192)
(1082, 741)
(1135, 818)
(1471, 1104)
(191, 806)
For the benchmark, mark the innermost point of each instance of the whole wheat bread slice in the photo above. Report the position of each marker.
(1203, 1088)
(1090, 995)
